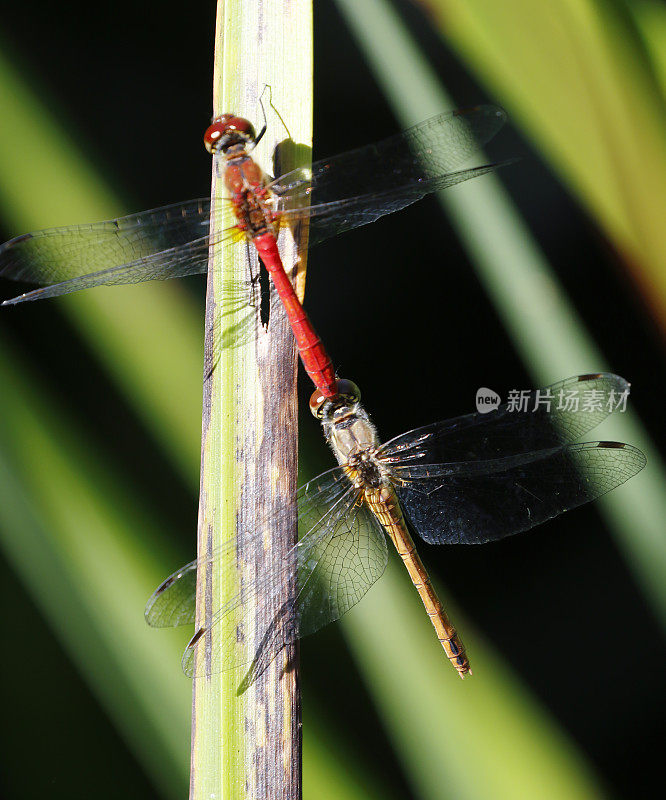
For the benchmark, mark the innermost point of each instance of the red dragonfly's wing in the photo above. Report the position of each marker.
(359, 186)
(341, 553)
(338, 194)
(166, 242)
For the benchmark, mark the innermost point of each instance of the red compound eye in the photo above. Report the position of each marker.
(227, 130)
(213, 135)
(317, 403)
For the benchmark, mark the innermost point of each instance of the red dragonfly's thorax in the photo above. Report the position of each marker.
(242, 174)
(245, 182)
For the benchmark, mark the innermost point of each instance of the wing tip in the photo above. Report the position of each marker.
(618, 382)
(23, 298)
(630, 448)
(151, 621)
(491, 109)
(24, 237)
(188, 660)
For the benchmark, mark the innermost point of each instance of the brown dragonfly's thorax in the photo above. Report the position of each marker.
(354, 441)
(364, 471)
(245, 182)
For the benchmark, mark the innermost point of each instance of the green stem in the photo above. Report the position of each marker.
(249, 744)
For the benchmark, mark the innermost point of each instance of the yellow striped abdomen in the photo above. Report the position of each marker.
(384, 504)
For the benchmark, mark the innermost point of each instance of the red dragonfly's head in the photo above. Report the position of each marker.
(227, 130)
(348, 395)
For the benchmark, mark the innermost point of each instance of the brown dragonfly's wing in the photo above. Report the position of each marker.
(173, 602)
(333, 573)
(473, 502)
(576, 406)
(166, 242)
(359, 186)
(335, 568)
(341, 553)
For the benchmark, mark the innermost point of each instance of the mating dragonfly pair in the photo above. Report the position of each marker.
(472, 479)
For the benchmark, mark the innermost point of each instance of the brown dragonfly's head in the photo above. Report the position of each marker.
(346, 424)
(227, 130)
(348, 396)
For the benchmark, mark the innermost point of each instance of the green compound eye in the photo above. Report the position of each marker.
(348, 391)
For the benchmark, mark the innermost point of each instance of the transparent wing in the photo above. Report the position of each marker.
(550, 417)
(335, 564)
(481, 501)
(173, 603)
(67, 259)
(129, 249)
(428, 150)
(341, 553)
(331, 219)
(358, 187)
(334, 572)
(344, 192)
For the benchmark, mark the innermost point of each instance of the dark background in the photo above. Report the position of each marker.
(133, 83)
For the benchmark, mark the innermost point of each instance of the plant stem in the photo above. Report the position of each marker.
(250, 745)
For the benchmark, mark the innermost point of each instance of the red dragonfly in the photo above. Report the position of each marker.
(334, 195)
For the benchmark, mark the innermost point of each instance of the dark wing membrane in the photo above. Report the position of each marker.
(162, 243)
(549, 417)
(476, 502)
(341, 553)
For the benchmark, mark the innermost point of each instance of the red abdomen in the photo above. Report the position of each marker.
(315, 359)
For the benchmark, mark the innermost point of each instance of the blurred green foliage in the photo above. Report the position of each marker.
(536, 312)
(70, 525)
(584, 79)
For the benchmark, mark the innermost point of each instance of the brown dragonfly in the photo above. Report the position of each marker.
(468, 480)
